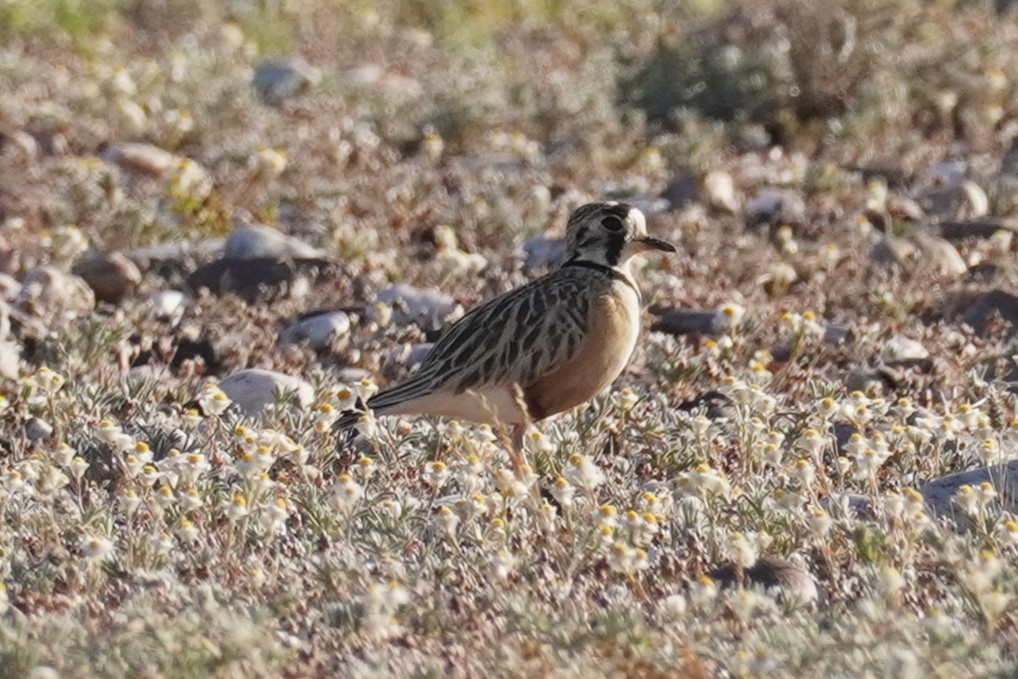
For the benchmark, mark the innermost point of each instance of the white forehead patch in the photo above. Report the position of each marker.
(638, 220)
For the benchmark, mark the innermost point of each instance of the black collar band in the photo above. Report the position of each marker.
(606, 270)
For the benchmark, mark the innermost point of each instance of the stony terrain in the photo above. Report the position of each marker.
(221, 227)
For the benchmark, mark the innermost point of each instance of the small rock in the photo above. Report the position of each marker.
(920, 252)
(543, 253)
(842, 433)
(255, 389)
(948, 173)
(409, 355)
(49, 141)
(981, 228)
(753, 137)
(976, 203)
(939, 493)
(256, 241)
(892, 251)
(962, 200)
(352, 375)
(5, 320)
(833, 334)
(363, 74)
(10, 359)
(940, 255)
(142, 157)
(48, 292)
(899, 349)
(682, 191)
(719, 192)
(250, 278)
(978, 309)
(10, 351)
(168, 304)
(9, 288)
(174, 256)
(277, 80)
(318, 331)
(418, 353)
(792, 583)
(775, 207)
(111, 276)
(873, 383)
(189, 176)
(42, 672)
(1009, 163)
(904, 209)
(21, 140)
(428, 308)
(37, 429)
(713, 404)
(395, 86)
(761, 206)
(686, 322)
(838, 334)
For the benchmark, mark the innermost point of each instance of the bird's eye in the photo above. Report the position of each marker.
(612, 223)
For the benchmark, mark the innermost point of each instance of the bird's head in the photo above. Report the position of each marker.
(609, 233)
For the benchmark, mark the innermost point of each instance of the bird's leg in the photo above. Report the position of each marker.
(521, 467)
(518, 454)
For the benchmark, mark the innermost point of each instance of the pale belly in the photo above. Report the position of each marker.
(487, 405)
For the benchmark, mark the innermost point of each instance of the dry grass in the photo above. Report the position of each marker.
(143, 538)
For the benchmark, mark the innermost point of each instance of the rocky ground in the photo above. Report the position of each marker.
(220, 228)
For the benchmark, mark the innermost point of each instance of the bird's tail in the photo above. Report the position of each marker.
(345, 426)
(346, 421)
(349, 418)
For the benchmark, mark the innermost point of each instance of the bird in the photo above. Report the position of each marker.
(542, 348)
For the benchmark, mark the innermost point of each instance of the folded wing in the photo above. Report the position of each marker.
(512, 340)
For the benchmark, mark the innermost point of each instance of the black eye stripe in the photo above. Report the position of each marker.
(613, 248)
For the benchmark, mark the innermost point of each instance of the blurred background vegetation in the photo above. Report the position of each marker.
(778, 63)
(853, 82)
